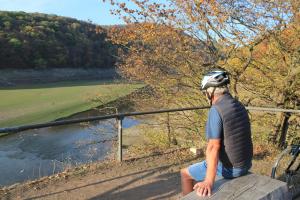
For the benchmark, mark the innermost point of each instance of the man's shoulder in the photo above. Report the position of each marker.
(214, 112)
(227, 100)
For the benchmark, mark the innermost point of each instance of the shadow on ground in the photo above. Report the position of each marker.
(156, 183)
(161, 189)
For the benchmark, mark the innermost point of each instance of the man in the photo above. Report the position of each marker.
(229, 150)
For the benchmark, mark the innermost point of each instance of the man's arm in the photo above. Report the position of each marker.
(212, 156)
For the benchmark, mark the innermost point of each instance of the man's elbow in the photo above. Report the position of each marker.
(214, 148)
(214, 145)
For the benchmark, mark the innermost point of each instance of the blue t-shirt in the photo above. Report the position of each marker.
(214, 124)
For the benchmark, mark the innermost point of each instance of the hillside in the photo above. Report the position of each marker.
(34, 40)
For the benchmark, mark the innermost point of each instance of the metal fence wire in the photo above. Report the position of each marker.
(120, 116)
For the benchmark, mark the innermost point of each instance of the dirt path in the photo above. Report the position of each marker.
(152, 177)
(155, 177)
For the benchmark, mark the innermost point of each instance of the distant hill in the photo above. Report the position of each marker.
(35, 40)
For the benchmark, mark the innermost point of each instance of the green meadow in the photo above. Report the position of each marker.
(44, 103)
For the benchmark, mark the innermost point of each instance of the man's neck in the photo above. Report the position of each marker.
(215, 98)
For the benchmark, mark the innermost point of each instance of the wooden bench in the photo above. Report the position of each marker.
(248, 187)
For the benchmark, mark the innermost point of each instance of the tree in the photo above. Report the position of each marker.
(15, 42)
(276, 63)
(169, 45)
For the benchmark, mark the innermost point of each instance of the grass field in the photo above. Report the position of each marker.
(43, 103)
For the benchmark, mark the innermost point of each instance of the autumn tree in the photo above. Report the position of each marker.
(169, 45)
(277, 77)
(168, 61)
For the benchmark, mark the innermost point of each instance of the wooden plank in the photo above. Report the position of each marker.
(251, 186)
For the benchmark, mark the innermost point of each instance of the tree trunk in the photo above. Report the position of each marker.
(169, 129)
(284, 129)
(171, 136)
(277, 128)
(234, 88)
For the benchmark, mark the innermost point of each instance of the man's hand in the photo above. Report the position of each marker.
(203, 188)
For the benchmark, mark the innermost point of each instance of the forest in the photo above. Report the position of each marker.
(41, 41)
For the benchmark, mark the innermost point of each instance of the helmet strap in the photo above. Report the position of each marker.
(210, 96)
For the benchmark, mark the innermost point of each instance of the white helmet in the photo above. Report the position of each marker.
(215, 78)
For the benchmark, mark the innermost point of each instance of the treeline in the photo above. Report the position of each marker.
(34, 40)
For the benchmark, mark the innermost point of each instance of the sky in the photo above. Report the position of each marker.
(94, 10)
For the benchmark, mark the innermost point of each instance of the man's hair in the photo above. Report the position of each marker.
(218, 90)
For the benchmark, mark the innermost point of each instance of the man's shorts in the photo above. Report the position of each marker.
(198, 171)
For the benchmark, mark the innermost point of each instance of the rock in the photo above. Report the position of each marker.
(197, 151)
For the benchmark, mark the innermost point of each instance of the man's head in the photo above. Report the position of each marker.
(217, 91)
(214, 83)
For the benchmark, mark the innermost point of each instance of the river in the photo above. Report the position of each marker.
(42, 152)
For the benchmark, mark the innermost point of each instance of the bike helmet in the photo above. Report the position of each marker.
(216, 78)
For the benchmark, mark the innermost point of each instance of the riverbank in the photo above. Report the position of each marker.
(47, 102)
(32, 154)
(29, 77)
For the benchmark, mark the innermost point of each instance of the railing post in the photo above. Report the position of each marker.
(120, 130)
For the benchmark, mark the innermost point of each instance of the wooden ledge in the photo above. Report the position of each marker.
(251, 186)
